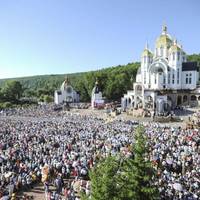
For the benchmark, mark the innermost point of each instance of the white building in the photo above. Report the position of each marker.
(66, 94)
(165, 79)
(96, 97)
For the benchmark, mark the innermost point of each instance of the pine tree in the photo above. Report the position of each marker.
(104, 180)
(137, 173)
(125, 178)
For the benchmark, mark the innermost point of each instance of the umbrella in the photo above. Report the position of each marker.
(169, 161)
(177, 186)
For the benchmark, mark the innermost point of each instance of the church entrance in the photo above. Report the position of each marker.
(149, 102)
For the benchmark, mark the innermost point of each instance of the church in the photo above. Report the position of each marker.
(66, 94)
(165, 79)
(97, 100)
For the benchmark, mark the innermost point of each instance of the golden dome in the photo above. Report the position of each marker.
(164, 41)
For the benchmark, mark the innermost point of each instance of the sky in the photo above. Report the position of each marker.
(66, 36)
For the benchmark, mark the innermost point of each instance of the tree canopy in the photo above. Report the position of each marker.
(113, 82)
(12, 91)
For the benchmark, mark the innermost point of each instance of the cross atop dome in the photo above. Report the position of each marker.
(164, 29)
(175, 41)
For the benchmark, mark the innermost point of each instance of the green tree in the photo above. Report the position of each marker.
(43, 91)
(137, 177)
(116, 86)
(12, 91)
(48, 98)
(81, 87)
(104, 180)
(194, 57)
(29, 93)
(1, 96)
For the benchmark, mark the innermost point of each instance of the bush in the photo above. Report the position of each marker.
(6, 105)
(48, 98)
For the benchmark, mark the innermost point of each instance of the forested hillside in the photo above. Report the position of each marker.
(113, 81)
(194, 57)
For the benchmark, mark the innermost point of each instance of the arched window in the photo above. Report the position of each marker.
(190, 78)
(173, 78)
(169, 78)
(193, 98)
(177, 76)
(186, 79)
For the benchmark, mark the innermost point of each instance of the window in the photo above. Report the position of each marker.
(172, 78)
(164, 79)
(177, 76)
(190, 78)
(168, 78)
(186, 80)
(144, 77)
(155, 79)
(173, 54)
(178, 55)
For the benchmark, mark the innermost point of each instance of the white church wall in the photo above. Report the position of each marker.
(58, 98)
(193, 77)
(138, 78)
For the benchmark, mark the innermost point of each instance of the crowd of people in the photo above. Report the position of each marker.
(175, 154)
(59, 149)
